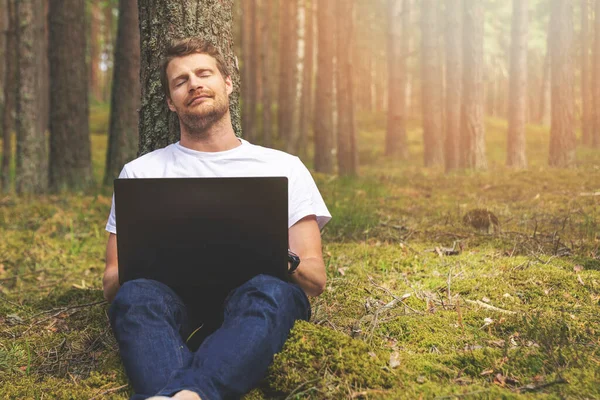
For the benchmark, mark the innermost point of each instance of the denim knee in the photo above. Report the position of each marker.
(144, 293)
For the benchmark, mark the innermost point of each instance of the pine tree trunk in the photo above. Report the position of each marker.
(323, 116)
(41, 17)
(347, 154)
(518, 87)
(70, 156)
(396, 142)
(10, 88)
(266, 73)
(431, 85)
(288, 49)
(3, 35)
(545, 97)
(161, 22)
(587, 125)
(248, 105)
(109, 49)
(562, 132)
(453, 83)
(31, 157)
(306, 101)
(596, 84)
(125, 99)
(94, 67)
(472, 141)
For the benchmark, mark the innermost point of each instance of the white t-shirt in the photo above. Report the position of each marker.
(176, 161)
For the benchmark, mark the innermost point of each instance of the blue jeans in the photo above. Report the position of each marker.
(149, 321)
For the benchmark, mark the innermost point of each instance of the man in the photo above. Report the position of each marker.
(149, 319)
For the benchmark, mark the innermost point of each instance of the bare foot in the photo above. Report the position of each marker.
(186, 395)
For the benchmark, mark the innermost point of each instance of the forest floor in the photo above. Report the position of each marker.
(418, 304)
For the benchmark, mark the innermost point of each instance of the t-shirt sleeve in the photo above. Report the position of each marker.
(111, 224)
(304, 196)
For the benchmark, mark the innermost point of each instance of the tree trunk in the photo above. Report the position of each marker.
(3, 37)
(306, 101)
(266, 72)
(518, 87)
(453, 83)
(125, 99)
(94, 67)
(472, 143)
(10, 88)
(70, 156)
(431, 85)
(288, 58)
(347, 154)
(545, 97)
(248, 64)
(596, 71)
(31, 171)
(323, 115)
(562, 132)
(161, 22)
(398, 34)
(587, 123)
(109, 49)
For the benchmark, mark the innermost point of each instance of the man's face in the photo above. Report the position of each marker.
(199, 93)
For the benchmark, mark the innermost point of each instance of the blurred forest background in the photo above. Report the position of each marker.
(310, 72)
(456, 144)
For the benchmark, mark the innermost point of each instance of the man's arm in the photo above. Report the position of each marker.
(305, 240)
(110, 282)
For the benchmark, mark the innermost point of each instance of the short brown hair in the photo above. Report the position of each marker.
(185, 47)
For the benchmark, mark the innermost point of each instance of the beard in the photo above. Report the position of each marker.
(199, 118)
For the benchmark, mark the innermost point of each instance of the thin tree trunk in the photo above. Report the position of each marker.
(472, 125)
(10, 87)
(306, 102)
(562, 132)
(161, 22)
(266, 73)
(431, 85)
(70, 154)
(288, 77)
(587, 125)
(31, 171)
(518, 87)
(323, 116)
(596, 71)
(545, 96)
(108, 50)
(125, 101)
(3, 37)
(94, 67)
(453, 82)
(347, 154)
(398, 34)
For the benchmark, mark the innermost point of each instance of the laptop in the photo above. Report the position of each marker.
(202, 234)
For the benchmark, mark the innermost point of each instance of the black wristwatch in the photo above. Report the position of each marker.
(294, 261)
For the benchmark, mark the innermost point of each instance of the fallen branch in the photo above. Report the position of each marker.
(489, 307)
(533, 388)
(108, 391)
(394, 296)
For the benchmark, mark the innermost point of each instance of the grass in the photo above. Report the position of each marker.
(418, 304)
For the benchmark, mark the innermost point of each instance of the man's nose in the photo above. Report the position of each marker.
(194, 83)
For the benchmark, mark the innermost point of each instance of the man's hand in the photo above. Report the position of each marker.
(305, 240)
(110, 282)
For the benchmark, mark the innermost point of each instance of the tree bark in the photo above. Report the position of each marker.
(587, 123)
(562, 132)
(266, 73)
(518, 87)
(347, 154)
(70, 155)
(31, 157)
(125, 99)
(248, 65)
(453, 83)
(306, 101)
(472, 143)
(431, 85)
(545, 96)
(398, 34)
(596, 71)
(161, 22)
(288, 59)
(3, 38)
(10, 88)
(109, 49)
(94, 66)
(323, 115)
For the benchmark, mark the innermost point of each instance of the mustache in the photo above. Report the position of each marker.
(194, 96)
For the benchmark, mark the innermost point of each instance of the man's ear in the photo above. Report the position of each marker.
(170, 104)
(229, 85)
